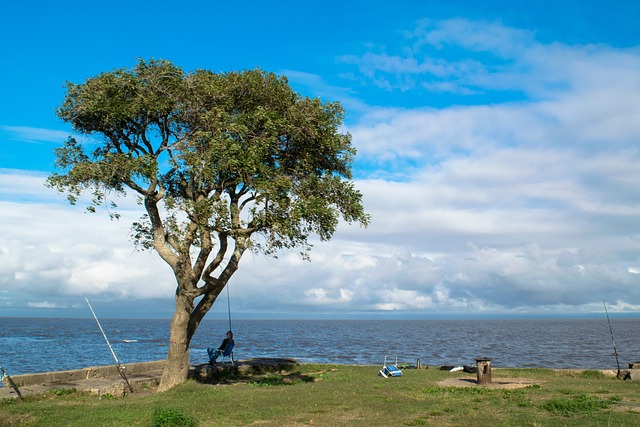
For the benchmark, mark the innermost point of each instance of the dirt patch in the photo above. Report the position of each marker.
(498, 383)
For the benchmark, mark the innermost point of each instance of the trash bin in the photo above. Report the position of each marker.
(484, 370)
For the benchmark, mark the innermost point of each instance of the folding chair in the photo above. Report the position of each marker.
(227, 353)
(391, 370)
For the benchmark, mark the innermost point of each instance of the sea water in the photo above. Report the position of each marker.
(30, 345)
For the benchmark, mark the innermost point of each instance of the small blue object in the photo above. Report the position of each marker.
(393, 371)
(390, 371)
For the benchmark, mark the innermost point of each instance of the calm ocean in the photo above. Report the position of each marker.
(48, 344)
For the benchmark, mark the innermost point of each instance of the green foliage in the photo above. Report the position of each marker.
(222, 163)
(590, 373)
(577, 404)
(107, 396)
(169, 417)
(63, 391)
(211, 146)
(457, 390)
(269, 381)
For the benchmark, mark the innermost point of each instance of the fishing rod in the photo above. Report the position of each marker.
(615, 352)
(11, 383)
(118, 365)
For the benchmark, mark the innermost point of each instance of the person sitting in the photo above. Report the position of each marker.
(214, 353)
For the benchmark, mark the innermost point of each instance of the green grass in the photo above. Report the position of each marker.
(168, 417)
(339, 395)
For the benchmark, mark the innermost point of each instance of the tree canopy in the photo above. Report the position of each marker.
(221, 162)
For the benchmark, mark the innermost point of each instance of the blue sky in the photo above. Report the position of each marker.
(498, 152)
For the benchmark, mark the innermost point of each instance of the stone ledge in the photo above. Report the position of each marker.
(104, 380)
(94, 372)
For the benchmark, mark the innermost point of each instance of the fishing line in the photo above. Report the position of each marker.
(229, 306)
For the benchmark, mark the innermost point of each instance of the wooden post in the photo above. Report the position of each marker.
(484, 370)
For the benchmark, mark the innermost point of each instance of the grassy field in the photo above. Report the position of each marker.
(343, 395)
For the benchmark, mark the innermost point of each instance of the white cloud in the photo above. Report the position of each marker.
(410, 260)
(399, 299)
(43, 304)
(34, 135)
(321, 296)
(56, 250)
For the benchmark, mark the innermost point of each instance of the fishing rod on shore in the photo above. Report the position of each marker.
(11, 383)
(615, 352)
(118, 365)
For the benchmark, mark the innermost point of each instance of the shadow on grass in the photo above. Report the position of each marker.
(268, 372)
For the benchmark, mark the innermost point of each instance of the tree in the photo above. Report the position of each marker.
(222, 163)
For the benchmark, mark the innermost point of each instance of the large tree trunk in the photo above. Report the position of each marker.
(176, 366)
(187, 317)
